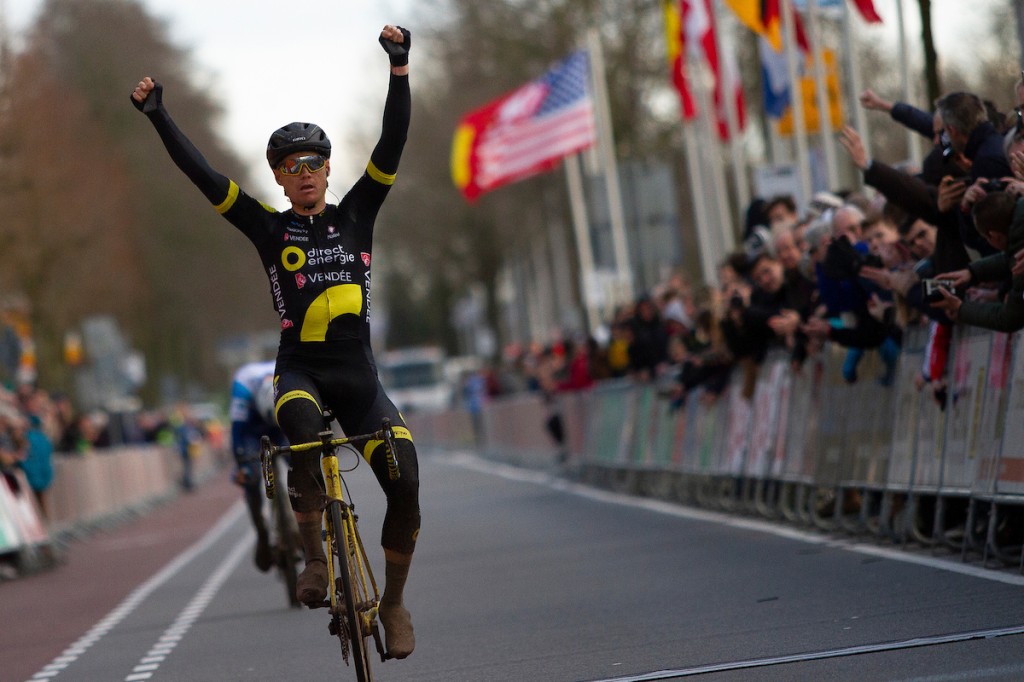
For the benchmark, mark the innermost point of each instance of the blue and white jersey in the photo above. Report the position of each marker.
(247, 424)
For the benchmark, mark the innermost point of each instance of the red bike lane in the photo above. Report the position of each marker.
(43, 614)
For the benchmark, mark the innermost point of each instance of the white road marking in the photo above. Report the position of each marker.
(181, 625)
(138, 595)
(470, 461)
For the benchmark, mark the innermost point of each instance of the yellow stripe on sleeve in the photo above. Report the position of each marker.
(379, 175)
(229, 201)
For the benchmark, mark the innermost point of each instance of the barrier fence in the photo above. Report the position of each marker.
(891, 462)
(90, 489)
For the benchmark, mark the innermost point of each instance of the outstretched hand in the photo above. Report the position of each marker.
(147, 95)
(851, 141)
(869, 100)
(396, 41)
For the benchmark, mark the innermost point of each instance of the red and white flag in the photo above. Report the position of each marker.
(676, 43)
(699, 34)
(867, 10)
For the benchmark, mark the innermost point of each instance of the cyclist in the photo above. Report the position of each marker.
(252, 416)
(317, 258)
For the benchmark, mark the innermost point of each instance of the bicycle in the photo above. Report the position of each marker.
(286, 550)
(353, 598)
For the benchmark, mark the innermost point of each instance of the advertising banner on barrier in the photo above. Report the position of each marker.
(765, 416)
(1010, 473)
(910, 399)
(970, 371)
(993, 415)
(738, 432)
(17, 499)
(10, 538)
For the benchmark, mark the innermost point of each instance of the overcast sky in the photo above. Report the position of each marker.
(241, 54)
(241, 51)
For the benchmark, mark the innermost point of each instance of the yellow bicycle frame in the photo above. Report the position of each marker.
(364, 585)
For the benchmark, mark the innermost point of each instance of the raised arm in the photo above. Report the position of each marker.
(398, 107)
(148, 98)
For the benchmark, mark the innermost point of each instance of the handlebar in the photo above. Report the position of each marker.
(327, 441)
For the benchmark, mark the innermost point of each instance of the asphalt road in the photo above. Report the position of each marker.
(519, 576)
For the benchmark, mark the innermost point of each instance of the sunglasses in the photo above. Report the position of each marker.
(313, 163)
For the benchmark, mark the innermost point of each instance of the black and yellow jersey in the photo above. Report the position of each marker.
(318, 267)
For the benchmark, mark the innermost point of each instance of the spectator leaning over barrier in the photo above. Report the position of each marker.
(896, 273)
(979, 146)
(648, 348)
(745, 347)
(916, 197)
(38, 459)
(999, 218)
(937, 163)
(776, 309)
(784, 244)
(846, 295)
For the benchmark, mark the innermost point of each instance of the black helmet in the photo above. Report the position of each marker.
(297, 137)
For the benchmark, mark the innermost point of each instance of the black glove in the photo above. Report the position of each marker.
(398, 53)
(152, 102)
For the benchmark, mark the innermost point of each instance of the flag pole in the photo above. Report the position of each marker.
(796, 102)
(710, 155)
(606, 149)
(739, 162)
(828, 142)
(584, 248)
(853, 68)
(913, 138)
(710, 254)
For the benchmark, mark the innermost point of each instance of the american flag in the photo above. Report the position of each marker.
(526, 131)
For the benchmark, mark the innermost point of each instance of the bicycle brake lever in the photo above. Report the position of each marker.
(267, 465)
(389, 450)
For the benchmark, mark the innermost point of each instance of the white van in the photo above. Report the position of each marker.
(415, 378)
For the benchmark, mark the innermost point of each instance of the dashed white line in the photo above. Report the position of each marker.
(181, 625)
(138, 595)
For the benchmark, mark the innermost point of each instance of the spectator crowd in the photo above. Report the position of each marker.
(932, 246)
(35, 424)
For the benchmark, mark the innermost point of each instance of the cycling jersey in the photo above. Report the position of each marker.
(318, 267)
(247, 424)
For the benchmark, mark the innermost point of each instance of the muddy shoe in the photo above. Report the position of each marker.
(398, 634)
(311, 587)
(264, 557)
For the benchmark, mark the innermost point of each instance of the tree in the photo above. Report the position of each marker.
(156, 253)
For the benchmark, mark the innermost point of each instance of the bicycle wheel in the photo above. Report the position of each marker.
(287, 549)
(351, 617)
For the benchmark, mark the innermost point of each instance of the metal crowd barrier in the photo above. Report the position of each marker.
(809, 448)
(88, 490)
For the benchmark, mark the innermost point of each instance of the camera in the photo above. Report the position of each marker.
(932, 287)
(844, 261)
(994, 186)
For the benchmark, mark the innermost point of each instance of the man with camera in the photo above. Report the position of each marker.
(999, 219)
(971, 137)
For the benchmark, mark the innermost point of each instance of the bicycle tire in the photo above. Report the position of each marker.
(287, 548)
(360, 655)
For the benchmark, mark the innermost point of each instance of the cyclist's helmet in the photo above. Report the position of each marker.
(264, 399)
(297, 137)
